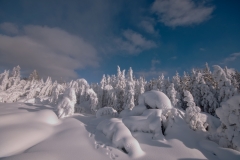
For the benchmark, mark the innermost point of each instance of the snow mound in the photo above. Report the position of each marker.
(155, 99)
(155, 121)
(106, 112)
(121, 137)
(21, 131)
(151, 123)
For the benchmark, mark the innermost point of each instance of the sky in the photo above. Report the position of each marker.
(88, 38)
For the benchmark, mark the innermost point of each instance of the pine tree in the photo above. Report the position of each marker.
(194, 85)
(225, 89)
(209, 101)
(34, 75)
(177, 85)
(193, 115)
(172, 94)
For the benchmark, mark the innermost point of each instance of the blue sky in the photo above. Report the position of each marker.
(89, 38)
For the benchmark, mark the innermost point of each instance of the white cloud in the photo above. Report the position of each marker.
(134, 42)
(232, 57)
(52, 51)
(174, 57)
(9, 28)
(148, 26)
(154, 62)
(181, 12)
(153, 71)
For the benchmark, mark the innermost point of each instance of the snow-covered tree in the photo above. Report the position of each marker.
(34, 75)
(194, 85)
(185, 81)
(229, 131)
(176, 80)
(66, 106)
(56, 91)
(120, 89)
(225, 89)
(193, 115)
(172, 94)
(5, 82)
(46, 90)
(139, 89)
(129, 96)
(209, 101)
(92, 99)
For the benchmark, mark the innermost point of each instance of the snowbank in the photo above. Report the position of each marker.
(20, 131)
(155, 99)
(121, 137)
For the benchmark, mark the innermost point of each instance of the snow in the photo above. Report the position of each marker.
(155, 99)
(66, 106)
(33, 131)
(229, 131)
(120, 136)
(106, 112)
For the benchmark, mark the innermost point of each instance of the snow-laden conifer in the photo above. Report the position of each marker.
(193, 116)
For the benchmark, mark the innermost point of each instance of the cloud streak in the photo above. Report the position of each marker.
(181, 12)
(134, 42)
(148, 26)
(52, 51)
(231, 58)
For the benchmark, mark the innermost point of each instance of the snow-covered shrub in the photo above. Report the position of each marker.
(66, 106)
(168, 118)
(106, 112)
(120, 136)
(193, 115)
(155, 121)
(229, 131)
(155, 99)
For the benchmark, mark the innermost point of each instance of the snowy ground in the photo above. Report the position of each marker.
(31, 131)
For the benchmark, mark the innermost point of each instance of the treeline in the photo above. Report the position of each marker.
(121, 91)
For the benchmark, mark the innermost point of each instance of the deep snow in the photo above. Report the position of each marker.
(33, 131)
